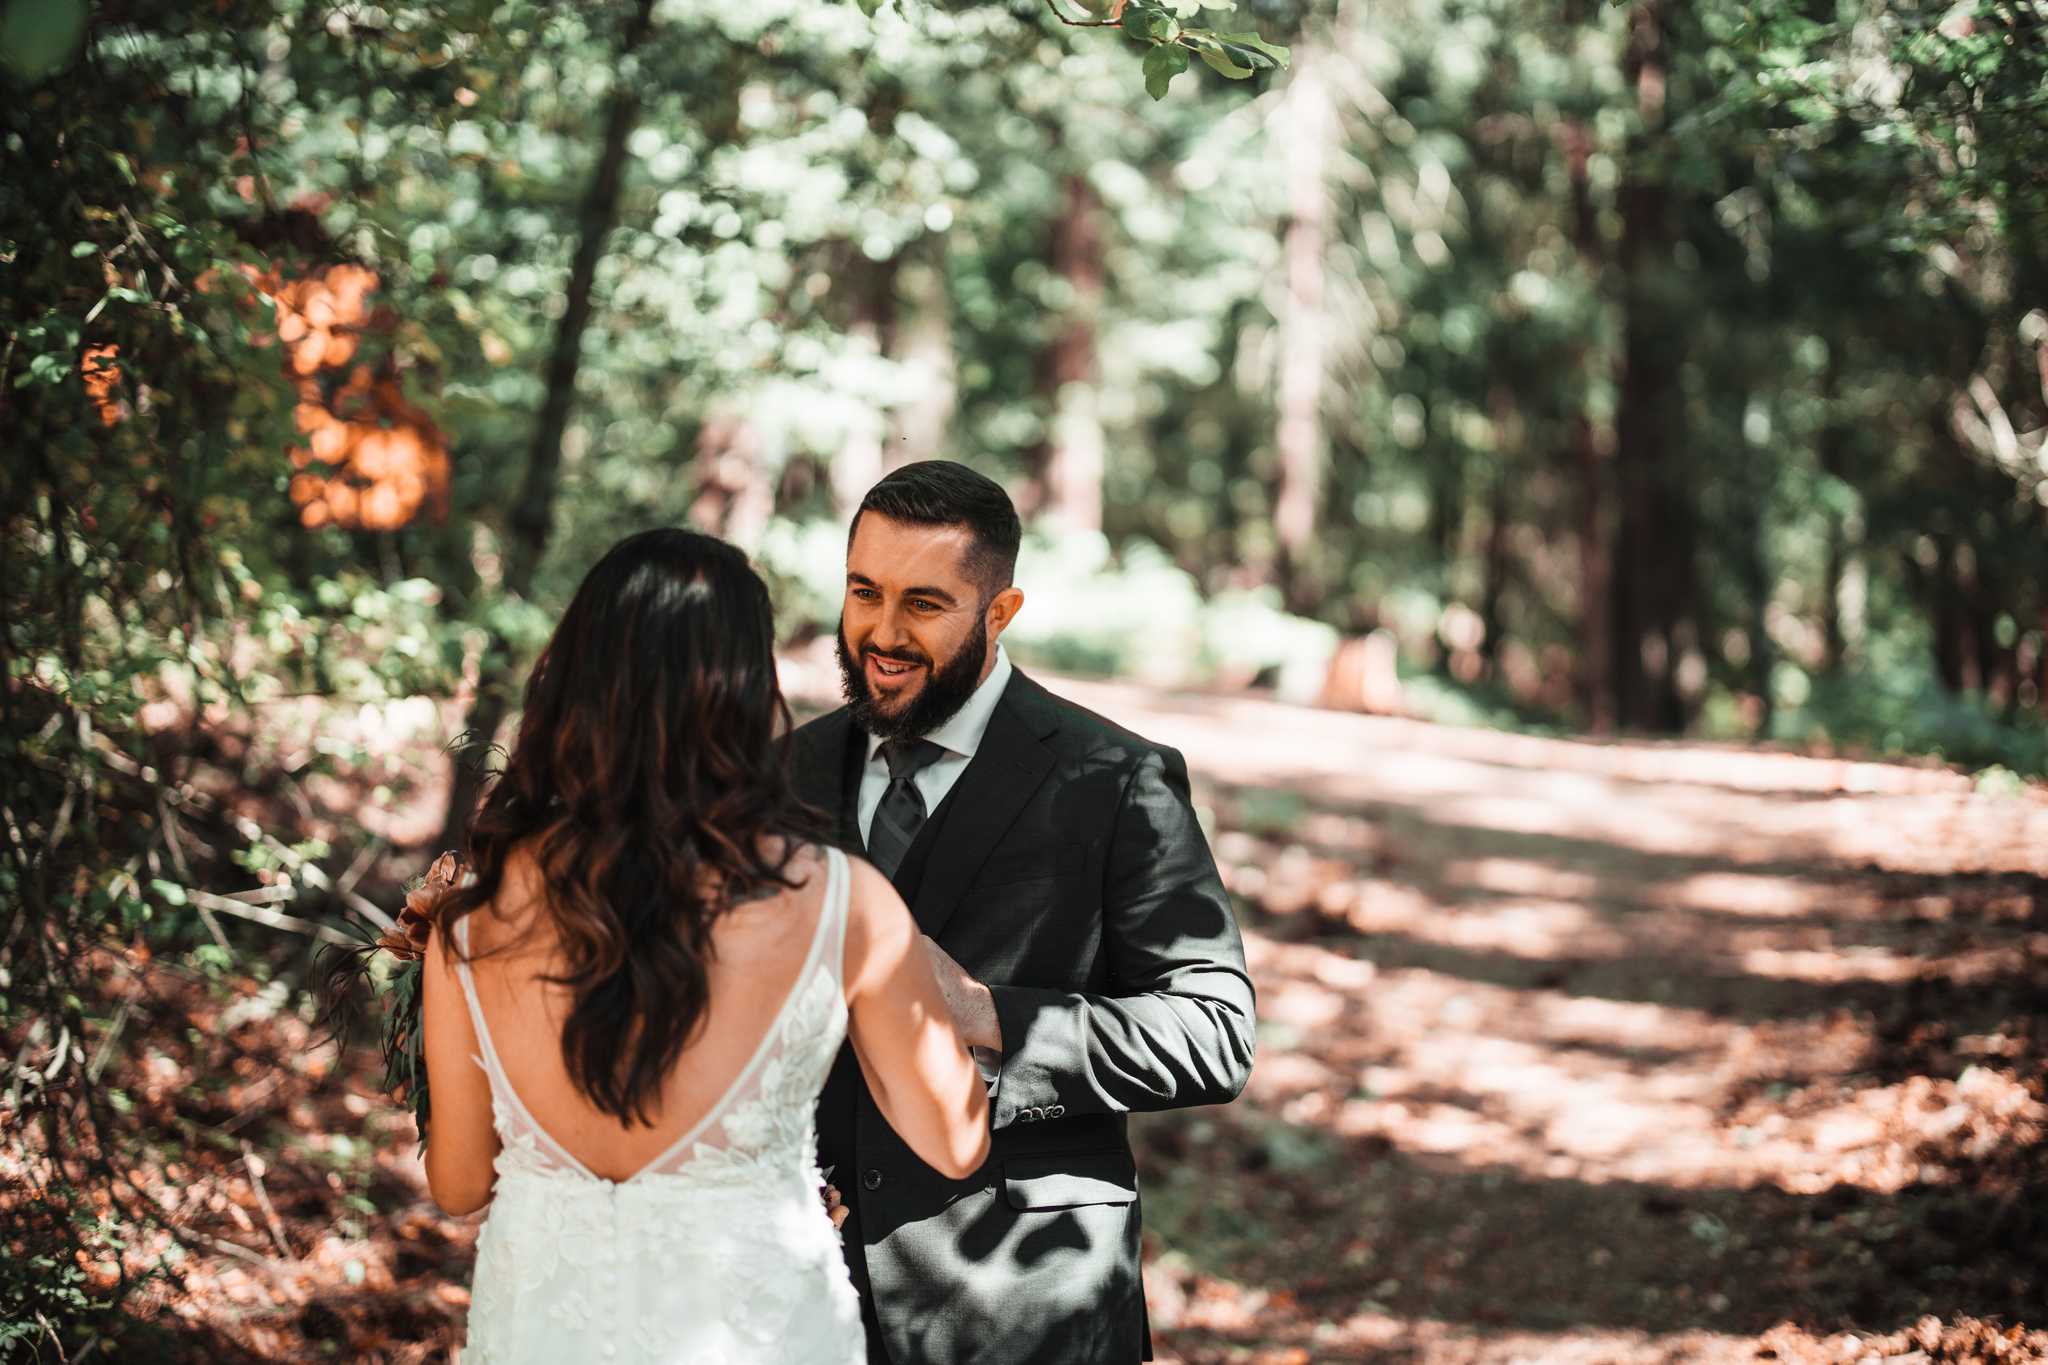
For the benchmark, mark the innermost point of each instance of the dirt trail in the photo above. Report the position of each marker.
(1620, 1053)
(1568, 1052)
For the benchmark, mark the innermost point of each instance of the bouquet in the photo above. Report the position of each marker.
(390, 966)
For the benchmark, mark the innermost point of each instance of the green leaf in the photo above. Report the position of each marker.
(869, 7)
(1253, 51)
(1220, 62)
(1162, 64)
(84, 248)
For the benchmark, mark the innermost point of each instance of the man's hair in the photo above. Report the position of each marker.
(943, 493)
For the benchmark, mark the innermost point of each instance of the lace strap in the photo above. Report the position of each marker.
(488, 1060)
(838, 895)
(501, 1085)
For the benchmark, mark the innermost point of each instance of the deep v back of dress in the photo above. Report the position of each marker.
(717, 1251)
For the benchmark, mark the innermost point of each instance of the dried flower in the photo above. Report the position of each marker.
(407, 940)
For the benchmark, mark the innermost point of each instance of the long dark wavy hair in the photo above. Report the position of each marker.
(651, 768)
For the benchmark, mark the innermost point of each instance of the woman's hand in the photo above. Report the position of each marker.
(835, 1207)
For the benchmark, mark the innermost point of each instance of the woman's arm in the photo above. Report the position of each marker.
(914, 1059)
(461, 1143)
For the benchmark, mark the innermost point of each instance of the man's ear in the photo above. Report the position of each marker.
(1003, 609)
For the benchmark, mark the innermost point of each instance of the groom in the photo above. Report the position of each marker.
(1074, 915)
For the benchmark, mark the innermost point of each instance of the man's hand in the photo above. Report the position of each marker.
(974, 1009)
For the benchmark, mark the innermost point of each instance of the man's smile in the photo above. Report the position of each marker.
(889, 673)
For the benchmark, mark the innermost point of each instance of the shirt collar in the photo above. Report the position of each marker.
(962, 732)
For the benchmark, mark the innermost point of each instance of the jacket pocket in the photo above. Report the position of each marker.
(1066, 1181)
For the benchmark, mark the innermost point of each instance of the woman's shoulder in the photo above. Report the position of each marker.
(877, 920)
(516, 914)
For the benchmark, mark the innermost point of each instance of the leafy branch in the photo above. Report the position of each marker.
(1107, 20)
(1170, 39)
(1163, 26)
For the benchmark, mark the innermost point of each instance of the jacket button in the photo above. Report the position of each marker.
(871, 1180)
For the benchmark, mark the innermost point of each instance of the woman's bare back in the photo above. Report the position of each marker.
(759, 951)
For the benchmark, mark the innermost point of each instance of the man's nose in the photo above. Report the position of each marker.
(888, 632)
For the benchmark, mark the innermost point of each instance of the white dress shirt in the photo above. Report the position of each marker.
(960, 736)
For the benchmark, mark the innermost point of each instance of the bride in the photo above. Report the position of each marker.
(629, 1012)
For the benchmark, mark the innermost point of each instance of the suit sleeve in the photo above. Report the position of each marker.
(1177, 1027)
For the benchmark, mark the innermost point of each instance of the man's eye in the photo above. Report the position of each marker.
(864, 593)
(923, 604)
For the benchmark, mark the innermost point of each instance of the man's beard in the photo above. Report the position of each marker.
(946, 689)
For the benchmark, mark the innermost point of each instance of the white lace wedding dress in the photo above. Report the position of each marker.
(717, 1252)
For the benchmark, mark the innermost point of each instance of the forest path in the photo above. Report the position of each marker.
(1621, 1052)
(1574, 1052)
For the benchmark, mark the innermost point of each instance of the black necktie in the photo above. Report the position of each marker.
(901, 814)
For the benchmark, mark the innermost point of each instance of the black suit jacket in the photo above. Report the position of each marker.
(1065, 870)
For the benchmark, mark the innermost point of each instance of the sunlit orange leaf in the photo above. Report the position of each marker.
(102, 376)
(330, 443)
(372, 460)
(341, 501)
(381, 509)
(375, 454)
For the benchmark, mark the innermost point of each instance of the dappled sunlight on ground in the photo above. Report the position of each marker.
(1615, 1052)
(1731, 804)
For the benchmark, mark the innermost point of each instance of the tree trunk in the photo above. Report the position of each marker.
(532, 516)
(1948, 615)
(861, 457)
(1496, 559)
(1651, 601)
(1594, 682)
(1299, 436)
(735, 497)
(2041, 665)
(1833, 645)
(1758, 577)
(1072, 461)
(926, 349)
(1834, 463)
(1994, 661)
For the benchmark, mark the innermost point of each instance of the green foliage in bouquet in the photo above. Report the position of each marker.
(388, 966)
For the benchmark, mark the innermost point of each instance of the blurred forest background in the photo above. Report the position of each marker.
(1640, 369)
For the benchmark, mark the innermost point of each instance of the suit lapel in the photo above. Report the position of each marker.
(826, 766)
(1006, 769)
